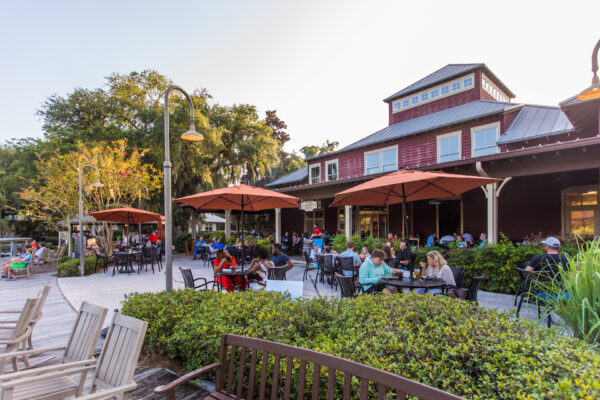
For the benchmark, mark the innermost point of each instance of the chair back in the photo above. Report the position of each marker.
(85, 333)
(328, 263)
(277, 273)
(346, 285)
(44, 255)
(306, 258)
(37, 311)
(347, 264)
(391, 262)
(188, 277)
(25, 317)
(474, 287)
(458, 274)
(120, 353)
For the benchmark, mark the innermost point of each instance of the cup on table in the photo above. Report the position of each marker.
(405, 274)
(417, 273)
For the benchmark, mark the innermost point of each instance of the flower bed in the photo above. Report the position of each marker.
(443, 342)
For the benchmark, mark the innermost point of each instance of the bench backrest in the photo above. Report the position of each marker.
(239, 376)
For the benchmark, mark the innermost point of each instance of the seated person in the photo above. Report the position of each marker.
(198, 247)
(39, 251)
(372, 270)
(468, 238)
(225, 261)
(430, 240)
(484, 241)
(259, 269)
(349, 252)
(461, 242)
(403, 255)
(329, 251)
(313, 254)
(364, 253)
(447, 239)
(437, 267)
(217, 245)
(19, 262)
(389, 251)
(551, 262)
(281, 259)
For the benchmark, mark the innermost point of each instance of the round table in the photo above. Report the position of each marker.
(237, 272)
(129, 260)
(435, 283)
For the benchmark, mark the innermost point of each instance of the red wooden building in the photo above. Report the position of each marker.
(460, 119)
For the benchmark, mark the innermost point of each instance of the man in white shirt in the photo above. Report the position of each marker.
(349, 252)
(39, 251)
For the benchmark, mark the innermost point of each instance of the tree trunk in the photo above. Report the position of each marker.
(69, 249)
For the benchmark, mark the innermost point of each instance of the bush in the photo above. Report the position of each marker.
(70, 266)
(338, 243)
(230, 240)
(217, 234)
(443, 342)
(180, 242)
(264, 243)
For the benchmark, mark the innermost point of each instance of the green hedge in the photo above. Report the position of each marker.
(447, 343)
(70, 266)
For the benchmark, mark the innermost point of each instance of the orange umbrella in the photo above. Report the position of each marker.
(408, 185)
(130, 215)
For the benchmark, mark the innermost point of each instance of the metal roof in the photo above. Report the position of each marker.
(534, 122)
(446, 73)
(450, 116)
(296, 176)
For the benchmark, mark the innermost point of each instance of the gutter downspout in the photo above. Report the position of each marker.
(492, 193)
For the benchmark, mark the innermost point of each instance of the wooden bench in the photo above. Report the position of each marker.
(238, 355)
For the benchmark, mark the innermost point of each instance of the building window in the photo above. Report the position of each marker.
(424, 97)
(484, 140)
(468, 82)
(406, 103)
(331, 170)
(382, 160)
(448, 147)
(435, 93)
(455, 86)
(581, 210)
(315, 173)
(445, 90)
(397, 106)
(415, 100)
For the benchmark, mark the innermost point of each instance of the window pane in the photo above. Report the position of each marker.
(468, 82)
(389, 158)
(315, 175)
(424, 97)
(372, 163)
(589, 198)
(455, 86)
(582, 222)
(435, 93)
(405, 103)
(449, 149)
(445, 89)
(415, 100)
(490, 137)
(332, 171)
(573, 199)
(397, 106)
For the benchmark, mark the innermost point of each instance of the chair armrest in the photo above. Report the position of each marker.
(186, 378)
(65, 369)
(11, 311)
(110, 392)
(197, 279)
(44, 377)
(30, 352)
(18, 339)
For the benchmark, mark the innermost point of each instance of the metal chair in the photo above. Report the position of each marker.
(347, 264)
(347, 285)
(309, 265)
(277, 273)
(326, 267)
(190, 282)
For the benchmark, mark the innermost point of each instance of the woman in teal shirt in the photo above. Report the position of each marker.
(16, 263)
(372, 270)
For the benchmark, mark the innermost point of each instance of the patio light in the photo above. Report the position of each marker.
(593, 92)
(190, 135)
(97, 184)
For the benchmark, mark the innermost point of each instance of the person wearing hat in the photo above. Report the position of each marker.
(551, 260)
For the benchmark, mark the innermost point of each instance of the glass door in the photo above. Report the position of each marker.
(373, 221)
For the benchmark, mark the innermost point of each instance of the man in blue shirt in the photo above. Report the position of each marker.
(484, 241)
(280, 259)
(199, 245)
(350, 253)
(431, 240)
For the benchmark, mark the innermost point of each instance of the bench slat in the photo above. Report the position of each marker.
(401, 396)
(289, 366)
(381, 392)
(275, 384)
(364, 389)
(301, 379)
(316, 378)
(330, 383)
(263, 375)
(241, 372)
(252, 375)
(231, 366)
(347, 387)
(220, 384)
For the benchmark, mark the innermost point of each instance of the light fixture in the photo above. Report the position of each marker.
(593, 92)
(97, 184)
(434, 202)
(192, 136)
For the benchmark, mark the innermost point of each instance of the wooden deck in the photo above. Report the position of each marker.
(56, 324)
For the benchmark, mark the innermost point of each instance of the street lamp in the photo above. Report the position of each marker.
(191, 135)
(98, 184)
(593, 92)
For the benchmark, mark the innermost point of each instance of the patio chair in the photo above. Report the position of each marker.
(40, 264)
(80, 345)
(347, 285)
(120, 262)
(347, 264)
(277, 273)
(155, 253)
(531, 287)
(113, 373)
(469, 294)
(190, 282)
(457, 273)
(101, 256)
(22, 271)
(309, 265)
(13, 338)
(326, 267)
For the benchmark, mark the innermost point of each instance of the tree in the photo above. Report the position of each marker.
(312, 151)
(56, 188)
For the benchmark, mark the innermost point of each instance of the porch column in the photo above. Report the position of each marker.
(492, 213)
(348, 221)
(278, 225)
(227, 223)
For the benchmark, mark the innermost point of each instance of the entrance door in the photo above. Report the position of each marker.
(373, 221)
(449, 217)
(313, 217)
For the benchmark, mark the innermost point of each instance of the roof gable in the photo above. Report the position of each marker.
(295, 176)
(534, 122)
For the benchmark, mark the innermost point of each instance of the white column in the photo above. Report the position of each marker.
(348, 221)
(492, 213)
(227, 223)
(278, 225)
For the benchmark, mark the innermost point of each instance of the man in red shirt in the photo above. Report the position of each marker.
(153, 237)
(316, 231)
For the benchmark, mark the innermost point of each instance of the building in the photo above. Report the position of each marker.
(460, 119)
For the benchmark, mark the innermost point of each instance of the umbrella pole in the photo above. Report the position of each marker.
(404, 221)
(242, 218)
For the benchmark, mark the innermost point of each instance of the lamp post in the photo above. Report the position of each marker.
(191, 135)
(593, 92)
(81, 236)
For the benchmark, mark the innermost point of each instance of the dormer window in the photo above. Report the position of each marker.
(455, 86)
(331, 170)
(415, 100)
(445, 90)
(468, 82)
(315, 173)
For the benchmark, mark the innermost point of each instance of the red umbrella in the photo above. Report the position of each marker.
(408, 185)
(130, 215)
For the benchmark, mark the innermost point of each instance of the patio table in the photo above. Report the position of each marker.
(130, 255)
(411, 284)
(237, 272)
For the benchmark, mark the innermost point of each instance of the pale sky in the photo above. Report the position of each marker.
(325, 66)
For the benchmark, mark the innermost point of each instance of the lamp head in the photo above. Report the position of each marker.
(98, 184)
(593, 92)
(192, 136)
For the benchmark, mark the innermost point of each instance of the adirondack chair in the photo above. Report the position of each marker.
(113, 373)
(36, 316)
(26, 270)
(40, 264)
(13, 338)
(81, 343)
(55, 258)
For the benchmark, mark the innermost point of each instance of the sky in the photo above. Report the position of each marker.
(325, 66)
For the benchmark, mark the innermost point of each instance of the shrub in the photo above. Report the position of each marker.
(264, 243)
(70, 266)
(230, 240)
(217, 234)
(447, 343)
(338, 243)
(180, 241)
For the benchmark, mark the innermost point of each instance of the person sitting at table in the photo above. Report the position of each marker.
(372, 270)
(389, 251)
(280, 259)
(217, 245)
(198, 247)
(461, 242)
(212, 252)
(468, 238)
(33, 244)
(431, 240)
(437, 267)
(404, 254)
(259, 269)
(364, 253)
(20, 262)
(484, 241)
(224, 260)
(313, 254)
(238, 243)
(349, 252)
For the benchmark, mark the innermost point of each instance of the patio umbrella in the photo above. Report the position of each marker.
(130, 215)
(408, 185)
(241, 198)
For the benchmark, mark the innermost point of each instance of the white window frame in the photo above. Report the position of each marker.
(381, 151)
(337, 170)
(439, 138)
(482, 127)
(310, 168)
(459, 83)
(465, 79)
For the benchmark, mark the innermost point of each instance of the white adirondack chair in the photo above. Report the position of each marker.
(81, 343)
(113, 373)
(13, 338)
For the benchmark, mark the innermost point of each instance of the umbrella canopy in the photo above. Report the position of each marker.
(240, 197)
(408, 185)
(129, 215)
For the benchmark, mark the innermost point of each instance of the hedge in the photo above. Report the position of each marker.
(70, 266)
(443, 342)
